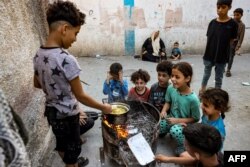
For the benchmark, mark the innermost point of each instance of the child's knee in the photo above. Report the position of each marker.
(176, 131)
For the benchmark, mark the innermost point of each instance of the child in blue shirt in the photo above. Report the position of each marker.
(176, 52)
(214, 104)
(115, 86)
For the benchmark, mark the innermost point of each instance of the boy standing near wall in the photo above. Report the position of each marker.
(221, 32)
(57, 74)
(238, 13)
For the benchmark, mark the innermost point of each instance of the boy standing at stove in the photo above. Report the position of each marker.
(158, 89)
(57, 74)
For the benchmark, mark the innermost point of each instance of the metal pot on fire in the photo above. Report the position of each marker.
(118, 116)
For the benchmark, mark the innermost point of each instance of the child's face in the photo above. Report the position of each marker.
(140, 84)
(69, 35)
(163, 78)
(208, 108)
(178, 79)
(222, 10)
(176, 45)
(117, 76)
(237, 16)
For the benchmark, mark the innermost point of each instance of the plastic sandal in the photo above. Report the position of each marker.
(82, 161)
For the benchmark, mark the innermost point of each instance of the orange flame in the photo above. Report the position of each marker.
(121, 130)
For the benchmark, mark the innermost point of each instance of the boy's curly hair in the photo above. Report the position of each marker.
(218, 98)
(140, 74)
(65, 11)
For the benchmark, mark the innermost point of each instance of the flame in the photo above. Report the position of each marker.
(120, 130)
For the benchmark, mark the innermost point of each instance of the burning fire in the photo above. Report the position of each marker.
(121, 130)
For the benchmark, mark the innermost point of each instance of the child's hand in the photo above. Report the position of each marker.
(163, 114)
(120, 76)
(82, 117)
(109, 77)
(173, 120)
(161, 158)
(107, 109)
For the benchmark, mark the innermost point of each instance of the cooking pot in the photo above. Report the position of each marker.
(118, 116)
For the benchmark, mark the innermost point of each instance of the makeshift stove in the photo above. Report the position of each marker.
(142, 117)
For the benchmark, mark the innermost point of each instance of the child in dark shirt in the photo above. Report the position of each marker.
(220, 34)
(158, 89)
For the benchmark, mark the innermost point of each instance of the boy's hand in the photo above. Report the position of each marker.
(107, 109)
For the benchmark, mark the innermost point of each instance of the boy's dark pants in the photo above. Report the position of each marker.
(67, 133)
(231, 57)
(219, 70)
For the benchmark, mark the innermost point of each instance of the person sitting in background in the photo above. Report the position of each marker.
(153, 49)
(176, 52)
(115, 86)
(140, 92)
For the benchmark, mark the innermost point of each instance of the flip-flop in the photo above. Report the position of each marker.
(92, 114)
(82, 161)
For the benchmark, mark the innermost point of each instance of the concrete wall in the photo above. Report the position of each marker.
(120, 27)
(113, 28)
(22, 31)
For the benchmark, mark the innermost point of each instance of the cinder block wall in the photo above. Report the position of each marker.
(22, 31)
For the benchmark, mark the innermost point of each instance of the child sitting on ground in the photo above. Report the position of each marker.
(202, 143)
(115, 86)
(214, 104)
(158, 89)
(181, 104)
(140, 91)
(176, 52)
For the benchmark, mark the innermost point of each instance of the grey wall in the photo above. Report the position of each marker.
(116, 27)
(21, 32)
